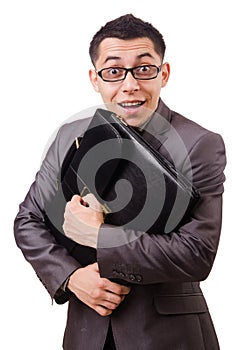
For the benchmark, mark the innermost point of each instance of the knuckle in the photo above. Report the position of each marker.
(102, 283)
(95, 293)
(118, 290)
(103, 311)
(116, 300)
(113, 306)
(75, 197)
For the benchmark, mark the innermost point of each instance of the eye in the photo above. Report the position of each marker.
(114, 71)
(146, 72)
(144, 69)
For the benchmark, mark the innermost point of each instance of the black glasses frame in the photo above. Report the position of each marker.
(126, 70)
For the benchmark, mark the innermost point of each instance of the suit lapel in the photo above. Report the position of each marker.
(155, 131)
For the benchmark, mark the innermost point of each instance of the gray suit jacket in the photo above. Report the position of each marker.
(165, 309)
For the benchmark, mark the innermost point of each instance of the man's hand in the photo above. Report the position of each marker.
(82, 220)
(99, 293)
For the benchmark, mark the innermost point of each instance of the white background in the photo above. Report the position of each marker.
(44, 80)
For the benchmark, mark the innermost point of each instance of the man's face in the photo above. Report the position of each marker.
(132, 99)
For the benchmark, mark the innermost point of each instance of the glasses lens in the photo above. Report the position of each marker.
(145, 72)
(113, 74)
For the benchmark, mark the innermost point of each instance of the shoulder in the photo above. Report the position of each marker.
(195, 137)
(73, 129)
(67, 134)
(205, 155)
(190, 131)
(176, 127)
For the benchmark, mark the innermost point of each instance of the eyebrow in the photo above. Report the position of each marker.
(145, 54)
(111, 58)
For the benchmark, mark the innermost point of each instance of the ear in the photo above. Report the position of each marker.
(165, 73)
(94, 79)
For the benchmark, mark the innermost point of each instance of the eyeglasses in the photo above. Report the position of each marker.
(145, 72)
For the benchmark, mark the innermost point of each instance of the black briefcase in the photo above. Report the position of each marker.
(137, 187)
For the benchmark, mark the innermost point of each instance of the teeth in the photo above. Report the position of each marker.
(131, 104)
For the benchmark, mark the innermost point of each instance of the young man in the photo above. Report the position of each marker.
(161, 306)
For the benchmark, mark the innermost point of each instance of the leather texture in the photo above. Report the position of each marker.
(130, 158)
(126, 158)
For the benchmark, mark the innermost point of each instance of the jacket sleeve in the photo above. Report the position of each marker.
(181, 256)
(51, 261)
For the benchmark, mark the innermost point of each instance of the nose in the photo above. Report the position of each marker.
(130, 84)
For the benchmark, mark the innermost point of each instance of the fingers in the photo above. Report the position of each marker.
(102, 311)
(105, 302)
(98, 293)
(75, 203)
(117, 289)
(88, 201)
(110, 286)
(92, 202)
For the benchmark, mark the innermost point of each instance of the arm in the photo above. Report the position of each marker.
(184, 255)
(50, 260)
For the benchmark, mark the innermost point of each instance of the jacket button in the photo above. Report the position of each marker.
(132, 277)
(139, 278)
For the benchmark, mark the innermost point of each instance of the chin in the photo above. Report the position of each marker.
(133, 120)
(136, 118)
(132, 116)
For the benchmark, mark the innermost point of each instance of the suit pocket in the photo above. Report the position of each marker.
(180, 304)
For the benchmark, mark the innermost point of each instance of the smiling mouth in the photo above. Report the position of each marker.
(134, 104)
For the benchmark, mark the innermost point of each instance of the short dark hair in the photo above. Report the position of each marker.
(127, 27)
